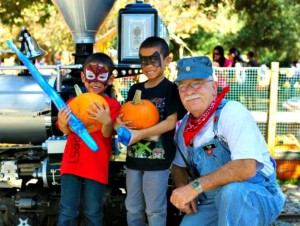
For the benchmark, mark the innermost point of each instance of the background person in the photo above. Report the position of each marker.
(251, 84)
(235, 57)
(294, 78)
(251, 60)
(236, 77)
(219, 60)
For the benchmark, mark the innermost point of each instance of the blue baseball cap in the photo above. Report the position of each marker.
(198, 67)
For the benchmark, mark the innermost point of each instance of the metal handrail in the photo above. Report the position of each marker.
(20, 67)
(58, 69)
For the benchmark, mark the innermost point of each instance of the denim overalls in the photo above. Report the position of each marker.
(257, 201)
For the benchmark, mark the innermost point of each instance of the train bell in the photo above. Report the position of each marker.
(29, 46)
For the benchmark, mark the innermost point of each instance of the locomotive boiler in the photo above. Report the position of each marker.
(31, 146)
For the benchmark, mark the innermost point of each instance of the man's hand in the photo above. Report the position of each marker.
(184, 198)
(190, 208)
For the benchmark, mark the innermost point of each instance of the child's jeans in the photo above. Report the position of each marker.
(73, 190)
(146, 193)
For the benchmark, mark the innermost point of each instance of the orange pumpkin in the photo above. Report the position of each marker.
(287, 169)
(142, 113)
(79, 106)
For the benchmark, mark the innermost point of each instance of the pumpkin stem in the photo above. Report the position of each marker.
(137, 99)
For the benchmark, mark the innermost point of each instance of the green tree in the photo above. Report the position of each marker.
(12, 12)
(43, 22)
(271, 29)
(268, 27)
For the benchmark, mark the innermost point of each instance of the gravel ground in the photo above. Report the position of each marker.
(292, 205)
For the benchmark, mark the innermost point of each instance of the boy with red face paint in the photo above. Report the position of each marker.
(148, 161)
(84, 173)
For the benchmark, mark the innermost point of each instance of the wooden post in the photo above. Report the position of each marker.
(273, 97)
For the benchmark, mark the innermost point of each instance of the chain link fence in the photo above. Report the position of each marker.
(251, 87)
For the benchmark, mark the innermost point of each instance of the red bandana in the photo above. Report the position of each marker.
(194, 125)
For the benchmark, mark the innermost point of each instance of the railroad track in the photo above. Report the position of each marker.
(289, 217)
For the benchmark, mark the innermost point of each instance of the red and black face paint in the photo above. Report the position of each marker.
(96, 73)
(153, 60)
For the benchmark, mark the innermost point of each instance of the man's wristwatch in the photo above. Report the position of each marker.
(196, 185)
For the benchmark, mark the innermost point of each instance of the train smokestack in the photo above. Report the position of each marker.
(84, 18)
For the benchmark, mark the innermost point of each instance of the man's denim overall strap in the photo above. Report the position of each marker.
(208, 157)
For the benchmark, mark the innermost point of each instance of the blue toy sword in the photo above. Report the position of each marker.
(76, 125)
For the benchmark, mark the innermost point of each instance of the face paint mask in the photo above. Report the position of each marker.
(96, 73)
(153, 60)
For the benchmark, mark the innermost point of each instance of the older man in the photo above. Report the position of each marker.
(222, 170)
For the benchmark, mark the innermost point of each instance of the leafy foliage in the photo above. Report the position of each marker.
(268, 27)
(292, 181)
(43, 22)
(12, 12)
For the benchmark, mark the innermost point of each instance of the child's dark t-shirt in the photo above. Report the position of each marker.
(150, 155)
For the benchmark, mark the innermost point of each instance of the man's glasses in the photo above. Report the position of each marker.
(194, 85)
